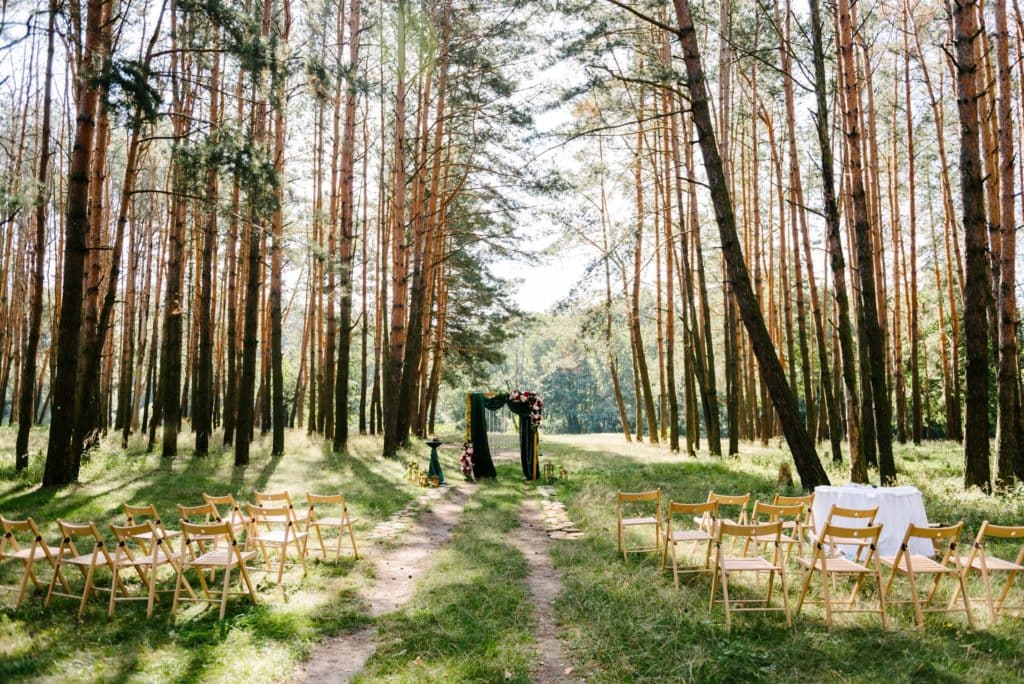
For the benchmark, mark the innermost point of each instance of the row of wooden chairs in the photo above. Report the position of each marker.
(207, 541)
(787, 521)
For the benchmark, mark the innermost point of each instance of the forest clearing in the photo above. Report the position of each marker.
(529, 340)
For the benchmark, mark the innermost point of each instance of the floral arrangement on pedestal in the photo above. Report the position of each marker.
(466, 460)
(531, 399)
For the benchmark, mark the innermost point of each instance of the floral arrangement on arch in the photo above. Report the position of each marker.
(466, 460)
(533, 400)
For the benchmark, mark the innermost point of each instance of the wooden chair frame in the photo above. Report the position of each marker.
(740, 500)
(264, 519)
(830, 566)
(37, 551)
(987, 565)
(726, 565)
(87, 564)
(790, 515)
(704, 511)
(239, 521)
(912, 565)
(866, 514)
(226, 558)
(341, 522)
(623, 523)
(157, 553)
(808, 521)
(135, 514)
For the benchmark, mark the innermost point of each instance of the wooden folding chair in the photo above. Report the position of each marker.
(239, 521)
(138, 514)
(726, 565)
(145, 560)
(697, 535)
(866, 514)
(913, 565)
(808, 521)
(738, 502)
(623, 498)
(832, 566)
(29, 551)
(988, 565)
(200, 514)
(791, 517)
(225, 558)
(340, 522)
(87, 563)
(275, 528)
(281, 499)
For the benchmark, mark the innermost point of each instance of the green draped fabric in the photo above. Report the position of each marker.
(478, 433)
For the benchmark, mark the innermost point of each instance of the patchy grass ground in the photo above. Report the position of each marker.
(623, 621)
(470, 619)
(257, 644)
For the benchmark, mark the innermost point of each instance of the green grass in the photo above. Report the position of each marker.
(470, 619)
(261, 643)
(623, 621)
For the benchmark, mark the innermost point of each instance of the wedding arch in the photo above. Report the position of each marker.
(526, 406)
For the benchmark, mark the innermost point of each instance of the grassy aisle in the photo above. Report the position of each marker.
(257, 644)
(470, 619)
(627, 622)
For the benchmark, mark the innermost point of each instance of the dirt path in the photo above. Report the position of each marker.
(545, 586)
(338, 659)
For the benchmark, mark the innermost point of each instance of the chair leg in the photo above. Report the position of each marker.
(962, 588)
(177, 589)
(785, 597)
(352, 537)
(881, 600)
(988, 595)
(85, 593)
(225, 589)
(1006, 591)
(826, 594)
(24, 585)
(725, 600)
(714, 582)
(805, 585)
(248, 582)
(152, 593)
(113, 594)
(916, 600)
(53, 583)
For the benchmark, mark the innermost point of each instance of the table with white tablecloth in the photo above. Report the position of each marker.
(898, 507)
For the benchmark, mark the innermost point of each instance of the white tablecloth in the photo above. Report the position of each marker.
(898, 507)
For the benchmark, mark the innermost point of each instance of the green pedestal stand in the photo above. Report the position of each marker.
(435, 463)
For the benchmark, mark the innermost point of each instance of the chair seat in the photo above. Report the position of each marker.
(331, 522)
(690, 535)
(992, 563)
(649, 520)
(142, 560)
(742, 563)
(23, 554)
(278, 536)
(918, 563)
(86, 559)
(218, 559)
(837, 564)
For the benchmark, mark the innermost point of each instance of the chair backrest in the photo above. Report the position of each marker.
(783, 500)
(272, 515)
(128, 543)
(867, 514)
(739, 500)
(313, 500)
(32, 537)
(217, 530)
(837, 535)
(206, 512)
(943, 538)
(136, 514)
(1004, 532)
(708, 512)
(69, 531)
(764, 512)
(228, 502)
(751, 532)
(282, 498)
(641, 497)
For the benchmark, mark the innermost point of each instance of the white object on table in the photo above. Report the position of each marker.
(898, 507)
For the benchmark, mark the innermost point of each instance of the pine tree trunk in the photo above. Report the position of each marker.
(978, 280)
(800, 443)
